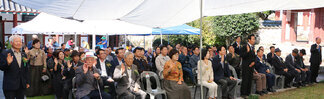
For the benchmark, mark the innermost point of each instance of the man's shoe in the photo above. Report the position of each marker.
(271, 90)
(264, 91)
(259, 93)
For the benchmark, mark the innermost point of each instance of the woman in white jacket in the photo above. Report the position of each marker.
(207, 74)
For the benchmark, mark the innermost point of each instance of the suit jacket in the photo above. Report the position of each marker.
(247, 58)
(14, 77)
(278, 64)
(115, 63)
(219, 71)
(316, 56)
(108, 65)
(142, 65)
(193, 60)
(260, 66)
(123, 83)
(237, 48)
(291, 62)
(86, 82)
(300, 62)
(184, 60)
(270, 58)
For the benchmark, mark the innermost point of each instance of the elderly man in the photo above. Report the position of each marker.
(127, 78)
(14, 64)
(88, 80)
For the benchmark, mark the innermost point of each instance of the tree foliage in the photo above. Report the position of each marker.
(219, 30)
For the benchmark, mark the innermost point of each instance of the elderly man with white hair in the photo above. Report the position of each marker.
(14, 64)
(127, 78)
(88, 80)
(30, 43)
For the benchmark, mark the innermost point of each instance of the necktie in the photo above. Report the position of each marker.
(319, 49)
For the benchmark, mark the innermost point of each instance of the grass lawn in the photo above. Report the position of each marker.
(42, 97)
(309, 92)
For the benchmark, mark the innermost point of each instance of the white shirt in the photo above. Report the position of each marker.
(103, 68)
(119, 61)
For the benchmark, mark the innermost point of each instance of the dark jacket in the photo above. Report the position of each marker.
(237, 48)
(234, 61)
(270, 58)
(14, 77)
(184, 60)
(114, 64)
(316, 55)
(278, 64)
(247, 58)
(300, 62)
(109, 68)
(142, 65)
(290, 62)
(260, 66)
(219, 71)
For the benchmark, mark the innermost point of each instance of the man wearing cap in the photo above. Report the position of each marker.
(316, 59)
(88, 80)
(103, 42)
(291, 63)
(127, 77)
(281, 68)
(300, 61)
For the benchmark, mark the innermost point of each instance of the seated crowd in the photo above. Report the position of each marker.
(110, 74)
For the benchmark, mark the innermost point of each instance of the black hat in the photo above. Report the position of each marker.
(277, 50)
(66, 50)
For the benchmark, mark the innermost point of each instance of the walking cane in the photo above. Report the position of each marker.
(99, 89)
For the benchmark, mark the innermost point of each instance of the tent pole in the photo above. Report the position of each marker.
(93, 41)
(144, 41)
(125, 41)
(63, 37)
(161, 37)
(107, 38)
(75, 39)
(201, 18)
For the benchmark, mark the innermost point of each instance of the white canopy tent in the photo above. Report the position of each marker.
(160, 13)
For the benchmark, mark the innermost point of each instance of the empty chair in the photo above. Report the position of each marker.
(152, 92)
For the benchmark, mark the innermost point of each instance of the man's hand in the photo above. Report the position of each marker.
(44, 70)
(297, 70)
(179, 82)
(55, 61)
(136, 89)
(27, 86)
(26, 50)
(96, 75)
(252, 64)
(286, 70)
(268, 71)
(9, 59)
(110, 80)
(232, 78)
(69, 64)
(256, 72)
(85, 69)
(123, 68)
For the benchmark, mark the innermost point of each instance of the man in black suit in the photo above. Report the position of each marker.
(14, 64)
(291, 63)
(119, 59)
(105, 70)
(300, 61)
(281, 68)
(222, 74)
(237, 45)
(248, 61)
(271, 55)
(316, 59)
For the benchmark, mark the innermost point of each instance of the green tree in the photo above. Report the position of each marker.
(229, 26)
